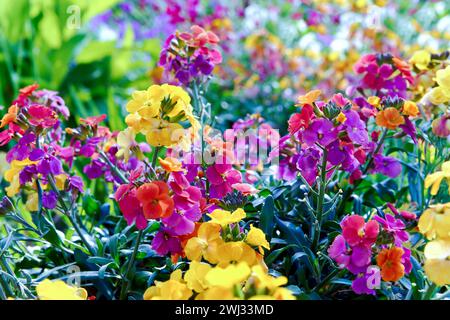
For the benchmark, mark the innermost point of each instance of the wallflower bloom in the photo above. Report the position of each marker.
(357, 232)
(410, 109)
(173, 289)
(228, 277)
(437, 264)
(224, 218)
(195, 277)
(389, 118)
(206, 244)
(222, 177)
(256, 237)
(308, 98)
(434, 180)
(420, 59)
(59, 290)
(129, 204)
(155, 200)
(389, 260)
(171, 164)
(435, 221)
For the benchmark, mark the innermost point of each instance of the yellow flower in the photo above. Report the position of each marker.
(234, 252)
(434, 180)
(308, 98)
(437, 264)
(374, 101)
(32, 203)
(341, 117)
(228, 277)
(195, 276)
(60, 181)
(435, 221)
(172, 289)
(12, 176)
(59, 290)
(438, 96)
(256, 237)
(283, 294)
(163, 133)
(443, 80)
(126, 140)
(206, 244)
(420, 59)
(171, 164)
(225, 218)
(410, 109)
(264, 280)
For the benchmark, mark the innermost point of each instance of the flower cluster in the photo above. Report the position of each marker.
(360, 241)
(190, 55)
(157, 113)
(223, 264)
(40, 164)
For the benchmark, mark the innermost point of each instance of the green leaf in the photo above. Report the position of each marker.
(95, 50)
(49, 30)
(266, 222)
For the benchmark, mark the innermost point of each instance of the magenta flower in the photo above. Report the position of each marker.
(395, 227)
(182, 222)
(388, 166)
(165, 241)
(356, 128)
(130, 206)
(320, 131)
(222, 177)
(357, 232)
(359, 284)
(356, 259)
(185, 196)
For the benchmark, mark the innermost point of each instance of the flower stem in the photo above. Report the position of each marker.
(118, 173)
(349, 191)
(320, 199)
(155, 157)
(126, 280)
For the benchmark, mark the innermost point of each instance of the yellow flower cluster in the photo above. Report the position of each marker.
(434, 180)
(223, 265)
(441, 93)
(157, 113)
(435, 225)
(59, 290)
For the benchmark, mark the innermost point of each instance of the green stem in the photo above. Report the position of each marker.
(320, 199)
(113, 167)
(126, 280)
(69, 214)
(155, 157)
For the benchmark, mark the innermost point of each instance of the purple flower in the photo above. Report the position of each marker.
(359, 285)
(356, 128)
(75, 183)
(47, 164)
(320, 131)
(355, 259)
(388, 166)
(307, 164)
(395, 227)
(27, 174)
(22, 149)
(182, 222)
(165, 242)
(409, 129)
(49, 199)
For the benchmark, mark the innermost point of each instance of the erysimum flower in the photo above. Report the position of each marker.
(389, 260)
(357, 232)
(420, 59)
(222, 177)
(389, 118)
(173, 289)
(389, 166)
(256, 237)
(437, 264)
(229, 276)
(129, 204)
(320, 131)
(308, 98)
(434, 180)
(155, 200)
(59, 290)
(206, 244)
(224, 218)
(435, 221)
(195, 277)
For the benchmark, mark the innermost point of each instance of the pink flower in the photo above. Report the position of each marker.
(221, 178)
(130, 206)
(41, 116)
(245, 188)
(356, 259)
(357, 232)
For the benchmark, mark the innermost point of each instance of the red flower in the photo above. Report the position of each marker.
(155, 199)
(93, 121)
(357, 232)
(41, 116)
(130, 206)
(300, 120)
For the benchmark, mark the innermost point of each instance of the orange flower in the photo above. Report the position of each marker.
(10, 116)
(389, 118)
(410, 109)
(155, 200)
(308, 98)
(389, 260)
(170, 164)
